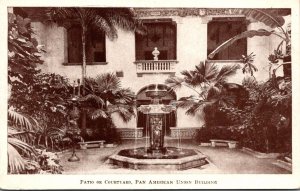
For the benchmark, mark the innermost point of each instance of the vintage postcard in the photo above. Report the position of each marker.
(149, 94)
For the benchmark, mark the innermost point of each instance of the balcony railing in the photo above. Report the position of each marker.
(155, 66)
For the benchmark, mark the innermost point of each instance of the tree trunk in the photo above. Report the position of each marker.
(83, 121)
(83, 58)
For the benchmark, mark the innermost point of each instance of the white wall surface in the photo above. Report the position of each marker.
(120, 55)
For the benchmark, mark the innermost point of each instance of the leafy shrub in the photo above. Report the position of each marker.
(49, 163)
(101, 129)
(43, 163)
(205, 134)
(264, 121)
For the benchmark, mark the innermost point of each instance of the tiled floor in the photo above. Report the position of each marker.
(222, 161)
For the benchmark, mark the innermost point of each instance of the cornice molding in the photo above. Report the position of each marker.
(182, 12)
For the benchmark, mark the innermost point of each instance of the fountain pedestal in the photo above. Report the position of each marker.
(169, 158)
(156, 133)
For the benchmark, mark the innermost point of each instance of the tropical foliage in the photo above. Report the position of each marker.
(106, 97)
(19, 130)
(208, 83)
(249, 67)
(264, 123)
(23, 157)
(270, 17)
(47, 100)
(23, 51)
(106, 20)
(37, 104)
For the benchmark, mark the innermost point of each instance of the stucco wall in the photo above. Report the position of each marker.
(120, 55)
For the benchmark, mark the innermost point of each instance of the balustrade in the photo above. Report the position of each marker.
(155, 66)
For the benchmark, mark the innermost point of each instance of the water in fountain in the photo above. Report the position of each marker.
(156, 116)
(154, 147)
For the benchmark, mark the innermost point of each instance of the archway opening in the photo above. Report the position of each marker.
(168, 120)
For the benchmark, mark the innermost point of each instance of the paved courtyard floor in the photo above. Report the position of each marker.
(221, 160)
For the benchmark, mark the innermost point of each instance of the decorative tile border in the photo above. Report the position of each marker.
(130, 133)
(184, 133)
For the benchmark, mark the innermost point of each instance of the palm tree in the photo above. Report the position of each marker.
(207, 82)
(103, 19)
(105, 97)
(270, 17)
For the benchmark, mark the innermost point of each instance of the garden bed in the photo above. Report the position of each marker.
(284, 164)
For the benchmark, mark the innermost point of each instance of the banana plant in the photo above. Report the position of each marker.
(270, 17)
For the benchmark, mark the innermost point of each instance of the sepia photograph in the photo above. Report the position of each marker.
(134, 91)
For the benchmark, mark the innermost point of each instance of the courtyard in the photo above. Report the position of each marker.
(222, 160)
(132, 77)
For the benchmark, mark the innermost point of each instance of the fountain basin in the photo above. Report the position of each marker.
(172, 159)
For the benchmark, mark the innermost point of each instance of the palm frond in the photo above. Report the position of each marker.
(213, 92)
(20, 145)
(98, 113)
(270, 17)
(92, 98)
(106, 25)
(123, 18)
(191, 78)
(226, 100)
(16, 163)
(107, 82)
(227, 71)
(196, 107)
(188, 75)
(20, 119)
(186, 102)
(210, 71)
(25, 136)
(57, 133)
(174, 82)
(90, 85)
(125, 96)
(103, 19)
(124, 111)
(59, 14)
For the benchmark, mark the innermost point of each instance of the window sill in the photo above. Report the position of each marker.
(171, 60)
(224, 61)
(88, 63)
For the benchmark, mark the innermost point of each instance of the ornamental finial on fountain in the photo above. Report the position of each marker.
(155, 53)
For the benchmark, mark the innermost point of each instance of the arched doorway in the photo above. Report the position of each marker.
(169, 119)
